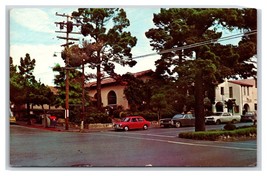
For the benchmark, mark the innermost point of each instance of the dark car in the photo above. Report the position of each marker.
(131, 122)
(249, 117)
(178, 121)
(166, 122)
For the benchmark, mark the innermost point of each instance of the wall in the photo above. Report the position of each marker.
(240, 94)
(118, 89)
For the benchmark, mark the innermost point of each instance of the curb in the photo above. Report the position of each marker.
(61, 128)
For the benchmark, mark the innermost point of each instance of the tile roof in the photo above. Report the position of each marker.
(112, 80)
(244, 82)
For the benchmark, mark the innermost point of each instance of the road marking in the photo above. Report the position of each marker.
(177, 142)
(214, 146)
(156, 135)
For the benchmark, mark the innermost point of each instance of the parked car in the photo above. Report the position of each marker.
(166, 122)
(222, 117)
(132, 122)
(249, 117)
(178, 121)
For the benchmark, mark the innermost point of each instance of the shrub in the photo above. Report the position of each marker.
(97, 117)
(149, 116)
(217, 134)
(201, 135)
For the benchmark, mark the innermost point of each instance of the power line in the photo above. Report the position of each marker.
(211, 41)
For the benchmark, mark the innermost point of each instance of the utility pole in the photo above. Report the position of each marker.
(83, 97)
(69, 26)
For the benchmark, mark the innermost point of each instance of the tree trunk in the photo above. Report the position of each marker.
(159, 116)
(98, 88)
(199, 102)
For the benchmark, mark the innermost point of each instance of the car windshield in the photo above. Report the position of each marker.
(126, 119)
(217, 114)
(177, 116)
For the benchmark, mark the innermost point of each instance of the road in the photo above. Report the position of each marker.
(158, 147)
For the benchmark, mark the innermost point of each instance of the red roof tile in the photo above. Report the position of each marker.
(244, 82)
(112, 80)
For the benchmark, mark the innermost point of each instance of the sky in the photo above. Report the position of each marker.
(32, 30)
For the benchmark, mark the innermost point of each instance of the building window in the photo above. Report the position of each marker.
(248, 91)
(222, 90)
(230, 92)
(255, 106)
(244, 90)
(112, 97)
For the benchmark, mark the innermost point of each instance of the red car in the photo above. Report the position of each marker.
(132, 122)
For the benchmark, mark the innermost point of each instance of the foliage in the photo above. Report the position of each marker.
(41, 95)
(217, 134)
(26, 68)
(106, 46)
(97, 117)
(139, 95)
(16, 87)
(137, 92)
(75, 87)
(24, 89)
(148, 115)
(177, 94)
(159, 102)
(176, 28)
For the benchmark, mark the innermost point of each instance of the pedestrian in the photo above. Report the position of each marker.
(53, 120)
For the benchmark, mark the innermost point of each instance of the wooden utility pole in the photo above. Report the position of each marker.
(83, 97)
(69, 26)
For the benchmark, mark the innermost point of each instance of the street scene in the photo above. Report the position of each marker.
(133, 87)
(156, 147)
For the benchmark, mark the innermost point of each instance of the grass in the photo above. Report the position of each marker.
(239, 133)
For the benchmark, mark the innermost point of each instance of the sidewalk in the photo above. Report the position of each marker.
(61, 127)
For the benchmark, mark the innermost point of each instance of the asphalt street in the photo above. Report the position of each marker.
(157, 147)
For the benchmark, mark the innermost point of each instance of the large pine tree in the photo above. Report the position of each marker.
(108, 42)
(185, 27)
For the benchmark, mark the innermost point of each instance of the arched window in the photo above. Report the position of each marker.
(246, 108)
(112, 97)
(219, 107)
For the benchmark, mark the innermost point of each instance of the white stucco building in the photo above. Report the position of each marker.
(112, 92)
(242, 92)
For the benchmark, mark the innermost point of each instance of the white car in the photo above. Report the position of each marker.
(222, 117)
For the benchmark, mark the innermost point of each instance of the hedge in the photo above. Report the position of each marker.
(219, 134)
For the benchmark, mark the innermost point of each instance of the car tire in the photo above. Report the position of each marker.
(145, 127)
(234, 121)
(178, 124)
(126, 128)
(218, 122)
